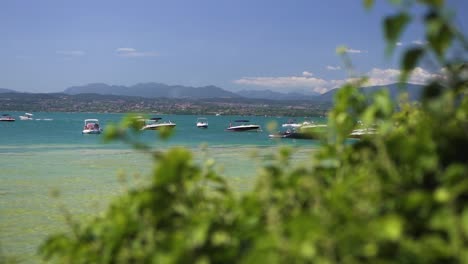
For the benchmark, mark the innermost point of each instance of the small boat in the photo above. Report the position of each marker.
(91, 126)
(310, 131)
(6, 118)
(243, 125)
(202, 122)
(155, 124)
(284, 134)
(27, 116)
(359, 133)
(291, 123)
(295, 134)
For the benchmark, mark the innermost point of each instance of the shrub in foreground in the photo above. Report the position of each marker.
(397, 196)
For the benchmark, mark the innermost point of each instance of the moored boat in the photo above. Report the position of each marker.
(91, 126)
(27, 116)
(309, 131)
(7, 118)
(243, 125)
(154, 123)
(202, 122)
(362, 132)
(292, 123)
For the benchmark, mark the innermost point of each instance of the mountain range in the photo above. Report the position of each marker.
(3, 90)
(160, 90)
(271, 95)
(153, 90)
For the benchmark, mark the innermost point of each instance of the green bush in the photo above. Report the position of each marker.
(400, 195)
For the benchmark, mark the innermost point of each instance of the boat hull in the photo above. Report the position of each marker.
(304, 132)
(243, 128)
(295, 135)
(158, 126)
(291, 125)
(92, 131)
(360, 133)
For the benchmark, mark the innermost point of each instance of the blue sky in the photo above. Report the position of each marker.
(49, 45)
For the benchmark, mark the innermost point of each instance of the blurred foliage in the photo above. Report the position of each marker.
(400, 195)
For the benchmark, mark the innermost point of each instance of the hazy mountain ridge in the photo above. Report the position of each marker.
(4, 90)
(160, 90)
(153, 90)
(271, 95)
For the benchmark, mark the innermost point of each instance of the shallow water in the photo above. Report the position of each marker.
(41, 157)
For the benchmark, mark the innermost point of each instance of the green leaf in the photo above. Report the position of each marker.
(392, 227)
(165, 133)
(410, 61)
(433, 3)
(439, 34)
(393, 27)
(111, 133)
(340, 50)
(368, 4)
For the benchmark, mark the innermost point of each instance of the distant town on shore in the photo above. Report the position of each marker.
(175, 99)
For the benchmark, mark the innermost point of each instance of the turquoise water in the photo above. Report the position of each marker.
(39, 157)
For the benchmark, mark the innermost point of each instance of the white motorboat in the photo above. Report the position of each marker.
(202, 122)
(306, 131)
(27, 116)
(292, 124)
(155, 124)
(7, 118)
(359, 133)
(91, 126)
(243, 125)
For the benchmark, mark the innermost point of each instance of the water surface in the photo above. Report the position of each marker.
(40, 157)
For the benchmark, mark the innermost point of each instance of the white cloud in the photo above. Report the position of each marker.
(375, 76)
(284, 84)
(70, 53)
(131, 52)
(421, 76)
(307, 74)
(125, 50)
(418, 42)
(333, 68)
(355, 51)
(399, 43)
(388, 76)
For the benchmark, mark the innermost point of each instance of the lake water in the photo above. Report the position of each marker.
(39, 157)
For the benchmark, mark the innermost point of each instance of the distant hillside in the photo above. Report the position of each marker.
(414, 91)
(153, 90)
(160, 90)
(3, 90)
(271, 95)
(91, 102)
